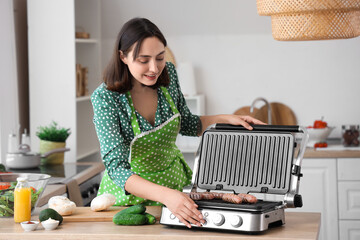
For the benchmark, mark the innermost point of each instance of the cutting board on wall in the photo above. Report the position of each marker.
(246, 111)
(85, 214)
(280, 114)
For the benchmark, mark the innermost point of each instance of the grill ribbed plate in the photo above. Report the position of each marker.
(246, 161)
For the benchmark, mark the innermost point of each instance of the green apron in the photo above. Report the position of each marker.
(154, 157)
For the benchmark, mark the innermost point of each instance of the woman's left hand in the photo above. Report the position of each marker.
(240, 120)
(232, 119)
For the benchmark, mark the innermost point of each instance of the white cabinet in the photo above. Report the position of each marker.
(349, 198)
(318, 188)
(53, 54)
(196, 106)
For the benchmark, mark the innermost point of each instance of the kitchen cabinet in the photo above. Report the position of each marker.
(53, 55)
(318, 188)
(349, 198)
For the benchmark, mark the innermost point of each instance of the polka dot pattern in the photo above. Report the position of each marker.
(131, 145)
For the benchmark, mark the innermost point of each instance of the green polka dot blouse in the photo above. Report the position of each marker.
(112, 119)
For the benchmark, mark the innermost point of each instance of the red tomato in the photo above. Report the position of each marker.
(320, 124)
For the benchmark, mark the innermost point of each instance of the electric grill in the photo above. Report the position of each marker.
(266, 160)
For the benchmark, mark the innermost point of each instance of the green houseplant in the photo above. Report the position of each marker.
(52, 137)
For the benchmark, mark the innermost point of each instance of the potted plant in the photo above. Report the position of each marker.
(52, 137)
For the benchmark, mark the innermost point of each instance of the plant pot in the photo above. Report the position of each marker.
(56, 158)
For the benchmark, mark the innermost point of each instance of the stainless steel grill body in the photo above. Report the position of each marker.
(246, 162)
(233, 159)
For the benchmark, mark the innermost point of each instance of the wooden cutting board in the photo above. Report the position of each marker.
(280, 114)
(85, 214)
(246, 111)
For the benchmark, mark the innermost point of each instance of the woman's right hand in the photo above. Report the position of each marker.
(183, 207)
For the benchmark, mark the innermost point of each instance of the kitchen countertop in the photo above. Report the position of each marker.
(299, 226)
(59, 189)
(333, 151)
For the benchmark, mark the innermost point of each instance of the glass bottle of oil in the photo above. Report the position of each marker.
(22, 201)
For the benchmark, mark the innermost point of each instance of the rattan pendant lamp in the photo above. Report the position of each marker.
(300, 20)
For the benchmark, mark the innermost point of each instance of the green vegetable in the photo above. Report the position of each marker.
(7, 200)
(129, 219)
(2, 168)
(50, 213)
(53, 133)
(139, 208)
(150, 218)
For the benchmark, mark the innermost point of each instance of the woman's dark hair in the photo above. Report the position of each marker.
(117, 75)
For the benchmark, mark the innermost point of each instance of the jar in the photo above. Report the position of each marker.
(350, 135)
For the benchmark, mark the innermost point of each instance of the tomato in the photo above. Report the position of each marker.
(33, 189)
(4, 186)
(320, 145)
(320, 124)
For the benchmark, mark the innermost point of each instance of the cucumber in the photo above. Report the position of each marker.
(150, 218)
(129, 219)
(139, 208)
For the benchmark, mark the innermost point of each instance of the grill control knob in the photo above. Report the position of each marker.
(236, 221)
(218, 219)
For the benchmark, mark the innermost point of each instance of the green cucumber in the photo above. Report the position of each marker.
(129, 219)
(150, 218)
(139, 208)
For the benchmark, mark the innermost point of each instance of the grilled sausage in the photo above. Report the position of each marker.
(207, 195)
(247, 198)
(217, 195)
(232, 198)
(195, 195)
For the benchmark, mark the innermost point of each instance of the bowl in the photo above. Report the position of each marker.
(50, 225)
(317, 135)
(8, 182)
(29, 225)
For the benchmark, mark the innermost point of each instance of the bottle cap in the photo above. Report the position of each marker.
(21, 179)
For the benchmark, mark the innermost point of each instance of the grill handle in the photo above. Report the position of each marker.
(258, 127)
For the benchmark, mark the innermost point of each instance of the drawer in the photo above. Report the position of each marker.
(349, 200)
(348, 168)
(349, 230)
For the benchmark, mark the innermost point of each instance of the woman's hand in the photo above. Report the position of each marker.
(183, 207)
(245, 121)
(240, 120)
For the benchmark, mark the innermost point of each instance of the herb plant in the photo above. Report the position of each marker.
(53, 133)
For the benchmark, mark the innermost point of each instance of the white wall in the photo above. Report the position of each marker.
(9, 115)
(236, 59)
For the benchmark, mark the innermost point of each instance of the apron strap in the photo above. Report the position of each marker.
(170, 100)
(134, 121)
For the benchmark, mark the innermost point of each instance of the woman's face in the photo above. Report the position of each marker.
(149, 64)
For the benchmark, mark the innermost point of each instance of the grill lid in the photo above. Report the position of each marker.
(232, 158)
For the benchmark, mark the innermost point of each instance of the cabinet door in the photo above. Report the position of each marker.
(349, 200)
(349, 230)
(318, 188)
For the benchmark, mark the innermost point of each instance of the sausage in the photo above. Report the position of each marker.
(207, 195)
(217, 195)
(201, 195)
(232, 198)
(195, 195)
(247, 198)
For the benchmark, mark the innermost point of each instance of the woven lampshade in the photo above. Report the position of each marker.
(299, 20)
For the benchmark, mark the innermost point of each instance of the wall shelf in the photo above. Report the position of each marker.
(83, 40)
(83, 98)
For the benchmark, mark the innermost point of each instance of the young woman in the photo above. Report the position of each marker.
(138, 112)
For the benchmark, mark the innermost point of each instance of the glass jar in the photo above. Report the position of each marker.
(350, 135)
